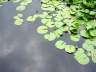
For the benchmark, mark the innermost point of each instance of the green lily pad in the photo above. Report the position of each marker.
(32, 18)
(21, 8)
(60, 44)
(87, 46)
(50, 37)
(70, 48)
(75, 37)
(18, 22)
(92, 32)
(42, 29)
(93, 55)
(59, 24)
(81, 58)
(84, 33)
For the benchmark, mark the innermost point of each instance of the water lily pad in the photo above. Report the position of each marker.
(75, 37)
(42, 29)
(92, 32)
(84, 33)
(50, 37)
(88, 46)
(21, 8)
(93, 55)
(81, 58)
(70, 48)
(18, 22)
(60, 44)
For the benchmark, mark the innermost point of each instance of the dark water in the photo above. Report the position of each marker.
(22, 49)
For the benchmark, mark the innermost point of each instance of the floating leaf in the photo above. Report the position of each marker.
(20, 15)
(94, 42)
(21, 8)
(93, 55)
(80, 50)
(70, 48)
(18, 21)
(44, 1)
(91, 24)
(59, 31)
(59, 24)
(88, 46)
(75, 37)
(57, 34)
(50, 24)
(50, 37)
(16, 1)
(44, 21)
(42, 29)
(93, 32)
(32, 18)
(60, 44)
(81, 58)
(84, 33)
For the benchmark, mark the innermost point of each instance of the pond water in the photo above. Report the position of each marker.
(22, 49)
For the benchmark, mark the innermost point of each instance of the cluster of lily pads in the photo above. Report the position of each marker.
(3, 1)
(59, 17)
(19, 9)
(77, 18)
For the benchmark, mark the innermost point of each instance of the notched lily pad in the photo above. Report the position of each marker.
(70, 48)
(84, 33)
(93, 55)
(92, 32)
(74, 37)
(81, 57)
(87, 46)
(60, 44)
(42, 29)
(50, 37)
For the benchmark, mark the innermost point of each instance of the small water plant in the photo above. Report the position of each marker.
(77, 18)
